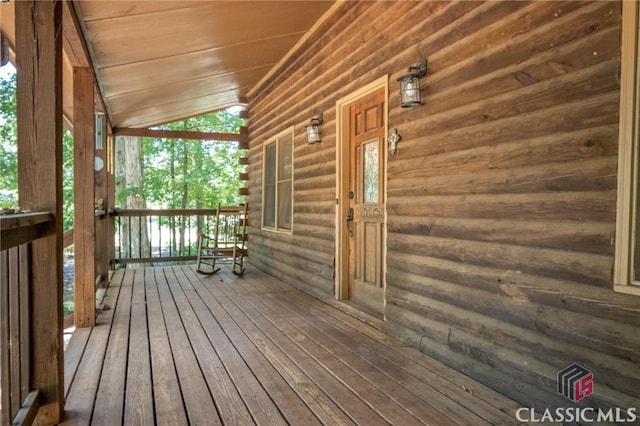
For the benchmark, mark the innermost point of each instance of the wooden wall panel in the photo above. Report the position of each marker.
(501, 199)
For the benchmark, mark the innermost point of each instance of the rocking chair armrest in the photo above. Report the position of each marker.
(205, 237)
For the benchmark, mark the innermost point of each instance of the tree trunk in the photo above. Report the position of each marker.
(121, 185)
(130, 177)
(185, 195)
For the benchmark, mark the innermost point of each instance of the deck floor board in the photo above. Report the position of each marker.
(180, 348)
(167, 395)
(198, 401)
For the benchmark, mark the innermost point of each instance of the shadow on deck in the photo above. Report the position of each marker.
(174, 348)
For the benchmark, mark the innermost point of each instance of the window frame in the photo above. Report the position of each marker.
(627, 216)
(276, 140)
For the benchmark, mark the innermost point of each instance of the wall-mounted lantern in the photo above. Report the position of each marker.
(410, 85)
(313, 130)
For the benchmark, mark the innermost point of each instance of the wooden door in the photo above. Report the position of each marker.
(366, 202)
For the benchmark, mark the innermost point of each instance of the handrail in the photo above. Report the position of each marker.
(165, 212)
(167, 235)
(67, 238)
(20, 228)
(19, 402)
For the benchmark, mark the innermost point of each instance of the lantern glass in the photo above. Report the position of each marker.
(313, 134)
(410, 90)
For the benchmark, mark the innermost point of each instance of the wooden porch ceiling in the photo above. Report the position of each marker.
(161, 61)
(176, 347)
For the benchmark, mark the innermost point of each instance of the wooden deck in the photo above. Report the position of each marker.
(176, 348)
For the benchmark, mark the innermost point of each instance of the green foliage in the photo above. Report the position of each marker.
(193, 174)
(67, 180)
(8, 146)
(178, 173)
(9, 154)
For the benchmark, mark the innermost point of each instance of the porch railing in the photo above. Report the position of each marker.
(159, 236)
(19, 403)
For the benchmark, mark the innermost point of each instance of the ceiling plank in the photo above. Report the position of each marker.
(158, 62)
(213, 62)
(175, 111)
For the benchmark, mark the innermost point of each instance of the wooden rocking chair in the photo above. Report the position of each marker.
(227, 242)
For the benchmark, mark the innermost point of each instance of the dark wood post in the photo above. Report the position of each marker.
(102, 197)
(111, 192)
(84, 227)
(39, 95)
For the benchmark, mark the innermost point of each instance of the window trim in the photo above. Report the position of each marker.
(628, 145)
(288, 132)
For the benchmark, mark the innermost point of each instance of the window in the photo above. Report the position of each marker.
(277, 191)
(627, 261)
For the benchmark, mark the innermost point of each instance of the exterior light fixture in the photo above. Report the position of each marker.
(313, 131)
(410, 85)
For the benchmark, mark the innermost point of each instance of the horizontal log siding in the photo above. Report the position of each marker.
(501, 197)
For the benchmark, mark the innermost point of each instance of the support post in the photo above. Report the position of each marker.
(102, 203)
(39, 96)
(111, 194)
(84, 234)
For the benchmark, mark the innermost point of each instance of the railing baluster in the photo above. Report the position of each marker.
(128, 253)
(140, 242)
(15, 349)
(159, 236)
(179, 225)
(5, 382)
(172, 230)
(148, 224)
(187, 242)
(25, 323)
(14, 329)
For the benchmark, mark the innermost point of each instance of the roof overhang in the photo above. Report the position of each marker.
(160, 61)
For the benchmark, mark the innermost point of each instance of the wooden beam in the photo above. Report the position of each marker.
(84, 234)
(180, 134)
(20, 229)
(67, 238)
(72, 43)
(13, 221)
(39, 99)
(73, 35)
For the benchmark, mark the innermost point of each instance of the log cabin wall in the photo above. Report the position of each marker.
(501, 198)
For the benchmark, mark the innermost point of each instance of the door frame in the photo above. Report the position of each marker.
(341, 286)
